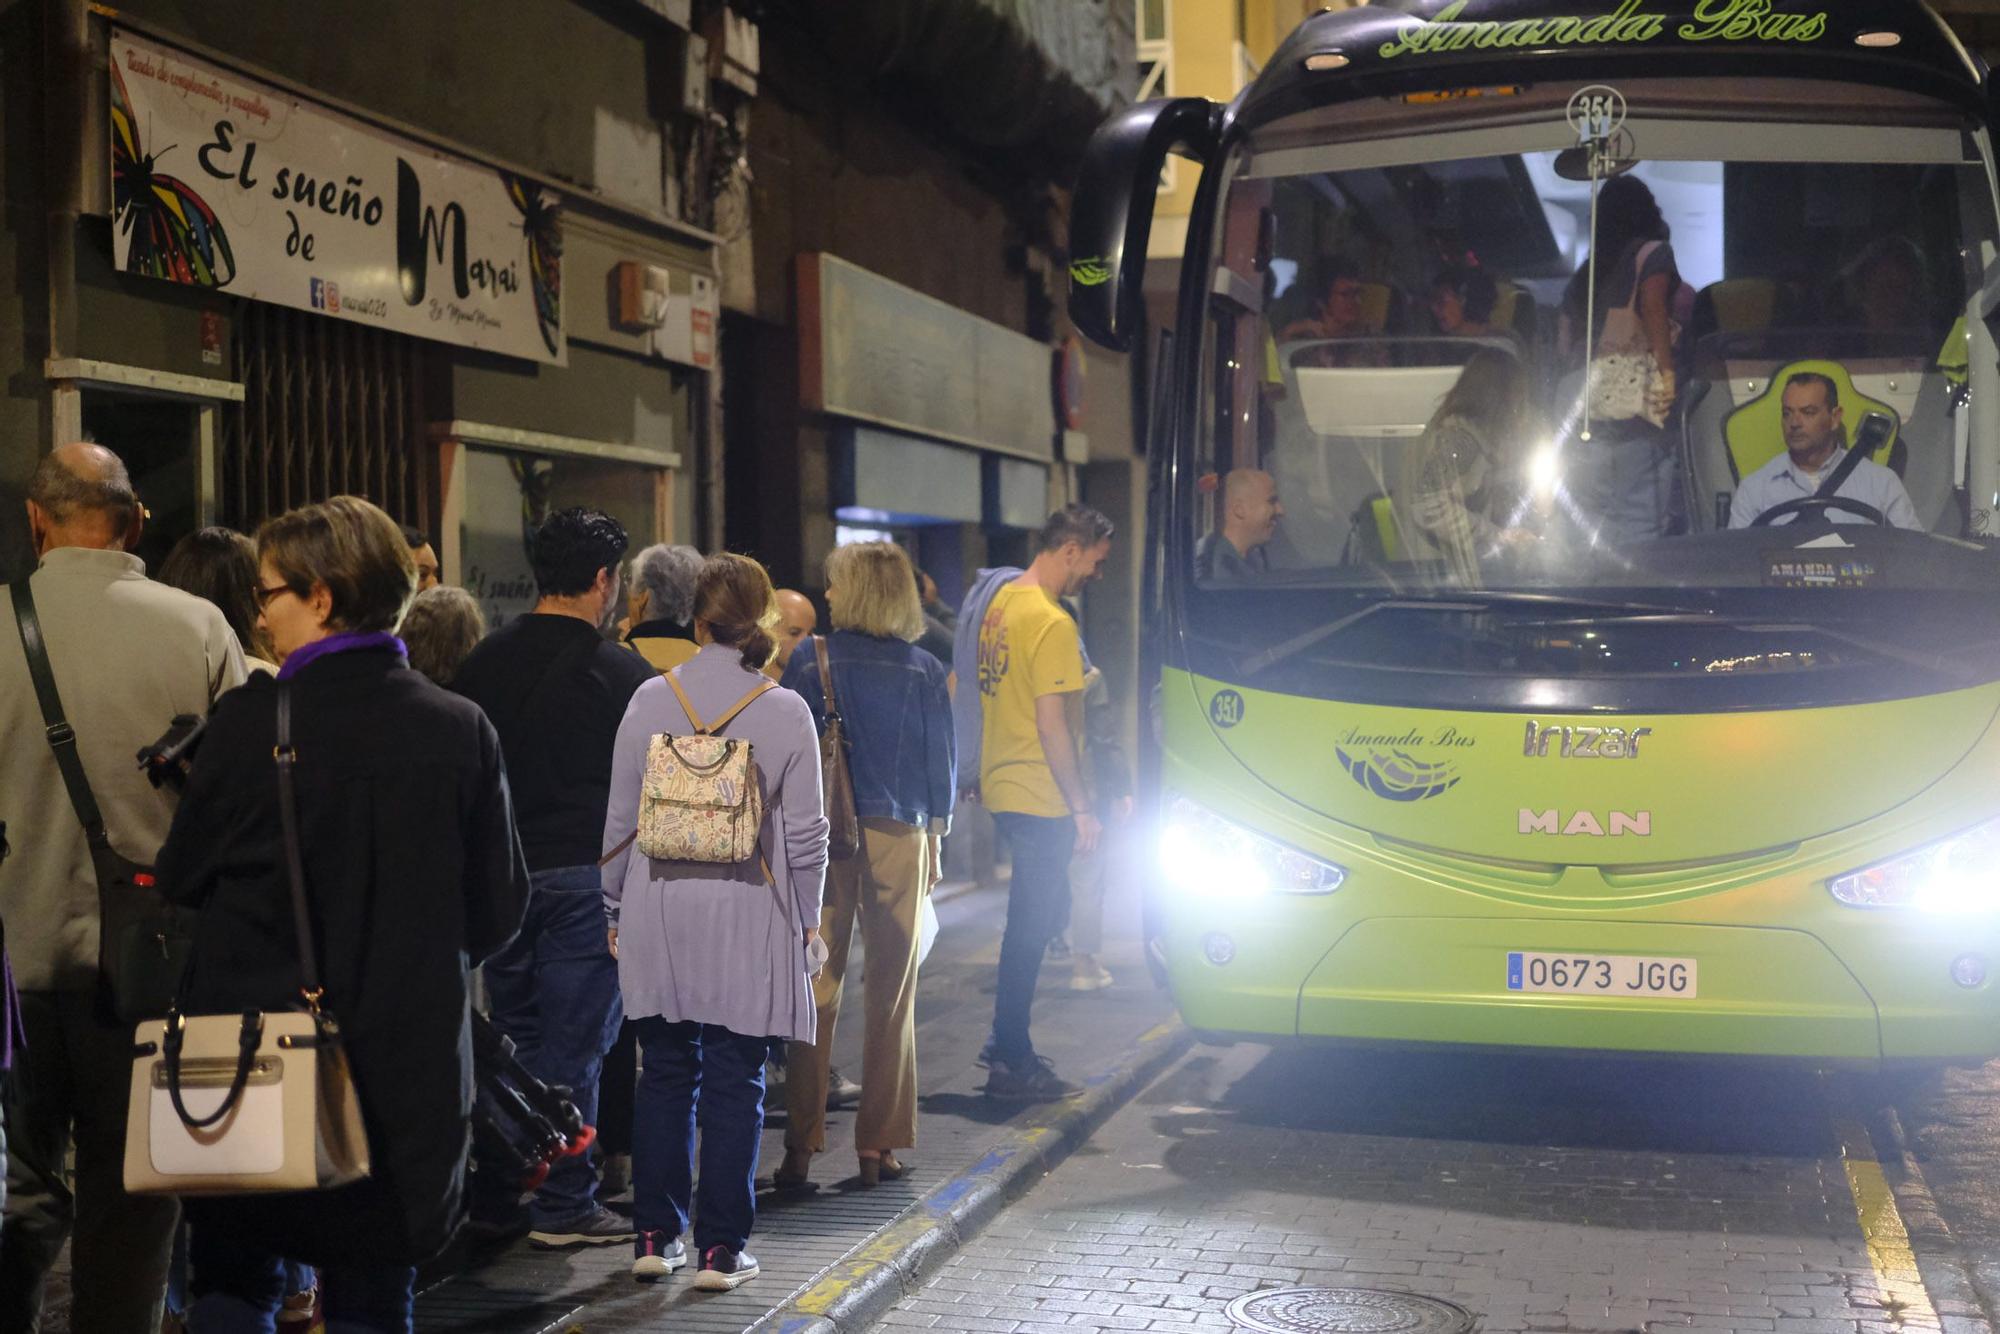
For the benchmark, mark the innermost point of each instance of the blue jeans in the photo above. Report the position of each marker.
(1037, 910)
(554, 990)
(697, 1076)
(237, 1289)
(298, 1278)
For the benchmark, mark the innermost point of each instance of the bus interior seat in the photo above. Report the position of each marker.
(1379, 532)
(1737, 305)
(1755, 433)
(1515, 311)
(1708, 464)
(1374, 402)
(1378, 304)
(1928, 469)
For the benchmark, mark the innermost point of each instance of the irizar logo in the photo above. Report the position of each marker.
(1585, 743)
(1585, 824)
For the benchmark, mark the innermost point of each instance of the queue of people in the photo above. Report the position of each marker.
(473, 801)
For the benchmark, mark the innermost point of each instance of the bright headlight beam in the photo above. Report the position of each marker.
(1955, 876)
(1201, 853)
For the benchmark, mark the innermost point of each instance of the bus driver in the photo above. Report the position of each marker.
(1813, 435)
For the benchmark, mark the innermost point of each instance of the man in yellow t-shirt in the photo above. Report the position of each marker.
(1030, 685)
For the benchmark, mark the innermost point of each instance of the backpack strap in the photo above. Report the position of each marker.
(694, 719)
(710, 729)
(701, 729)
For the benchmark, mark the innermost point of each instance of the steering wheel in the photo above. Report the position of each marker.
(1817, 506)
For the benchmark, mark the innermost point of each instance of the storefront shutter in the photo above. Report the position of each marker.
(330, 407)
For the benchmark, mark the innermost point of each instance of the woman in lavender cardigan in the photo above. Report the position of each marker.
(712, 958)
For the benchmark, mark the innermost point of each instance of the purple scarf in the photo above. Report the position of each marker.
(346, 642)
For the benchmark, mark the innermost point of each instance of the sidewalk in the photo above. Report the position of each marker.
(524, 1291)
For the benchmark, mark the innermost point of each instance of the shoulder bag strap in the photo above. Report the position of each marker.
(826, 678)
(61, 736)
(295, 866)
(1645, 252)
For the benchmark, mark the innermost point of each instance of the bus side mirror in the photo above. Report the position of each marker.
(1111, 215)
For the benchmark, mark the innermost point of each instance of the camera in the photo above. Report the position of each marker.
(166, 762)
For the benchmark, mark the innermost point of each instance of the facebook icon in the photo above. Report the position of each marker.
(318, 294)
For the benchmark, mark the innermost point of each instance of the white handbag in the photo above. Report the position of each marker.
(243, 1104)
(1626, 379)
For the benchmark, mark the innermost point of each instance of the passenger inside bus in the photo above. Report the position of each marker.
(1463, 301)
(1858, 271)
(1462, 497)
(1350, 311)
(1624, 475)
(1234, 552)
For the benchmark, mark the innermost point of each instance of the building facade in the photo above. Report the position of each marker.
(899, 361)
(455, 259)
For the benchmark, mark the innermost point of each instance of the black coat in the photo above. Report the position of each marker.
(413, 874)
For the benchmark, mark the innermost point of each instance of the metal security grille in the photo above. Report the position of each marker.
(329, 407)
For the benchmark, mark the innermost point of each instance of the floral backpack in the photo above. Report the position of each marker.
(702, 800)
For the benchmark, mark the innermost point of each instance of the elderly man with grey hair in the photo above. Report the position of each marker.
(661, 604)
(127, 655)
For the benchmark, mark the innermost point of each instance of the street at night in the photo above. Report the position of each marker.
(999, 666)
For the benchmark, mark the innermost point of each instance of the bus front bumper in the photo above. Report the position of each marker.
(1761, 992)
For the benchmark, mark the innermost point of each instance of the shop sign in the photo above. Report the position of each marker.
(873, 350)
(219, 181)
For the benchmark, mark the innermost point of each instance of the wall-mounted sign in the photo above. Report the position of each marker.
(873, 350)
(219, 181)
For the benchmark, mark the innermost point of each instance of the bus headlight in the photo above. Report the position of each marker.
(1960, 874)
(1202, 853)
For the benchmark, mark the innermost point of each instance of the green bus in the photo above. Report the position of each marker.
(1574, 612)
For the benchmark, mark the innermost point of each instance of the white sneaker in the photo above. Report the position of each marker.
(723, 1269)
(655, 1256)
(1089, 975)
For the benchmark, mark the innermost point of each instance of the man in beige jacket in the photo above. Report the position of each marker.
(128, 654)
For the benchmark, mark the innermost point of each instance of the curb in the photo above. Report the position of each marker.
(856, 1289)
(1961, 1303)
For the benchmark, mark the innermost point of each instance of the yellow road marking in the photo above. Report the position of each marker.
(1904, 1299)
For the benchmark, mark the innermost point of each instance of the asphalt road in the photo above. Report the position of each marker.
(1537, 1193)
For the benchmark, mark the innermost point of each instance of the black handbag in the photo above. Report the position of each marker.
(143, 941)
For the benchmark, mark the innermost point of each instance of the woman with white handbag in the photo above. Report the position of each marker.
(715, 850)
(1624, 475)
(407, 859)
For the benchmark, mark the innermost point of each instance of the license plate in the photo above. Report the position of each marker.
(1602, 975)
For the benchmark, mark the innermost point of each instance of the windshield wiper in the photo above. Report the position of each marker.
(1464, 602)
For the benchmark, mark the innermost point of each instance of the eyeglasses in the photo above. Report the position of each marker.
(264, 595)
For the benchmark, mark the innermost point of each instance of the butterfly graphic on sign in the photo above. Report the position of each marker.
(173, 233)
(539, 211)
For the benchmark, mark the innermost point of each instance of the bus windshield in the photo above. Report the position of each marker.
(1723, 359)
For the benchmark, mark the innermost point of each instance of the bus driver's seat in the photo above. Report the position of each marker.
(1755, 433)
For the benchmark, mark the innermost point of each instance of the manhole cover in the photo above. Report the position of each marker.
(1342, 1310)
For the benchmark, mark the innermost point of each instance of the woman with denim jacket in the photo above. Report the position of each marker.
(890, 696)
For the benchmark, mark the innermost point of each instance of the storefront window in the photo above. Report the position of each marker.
(507, 494)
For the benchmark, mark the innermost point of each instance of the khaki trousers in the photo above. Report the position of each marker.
(884, 886)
